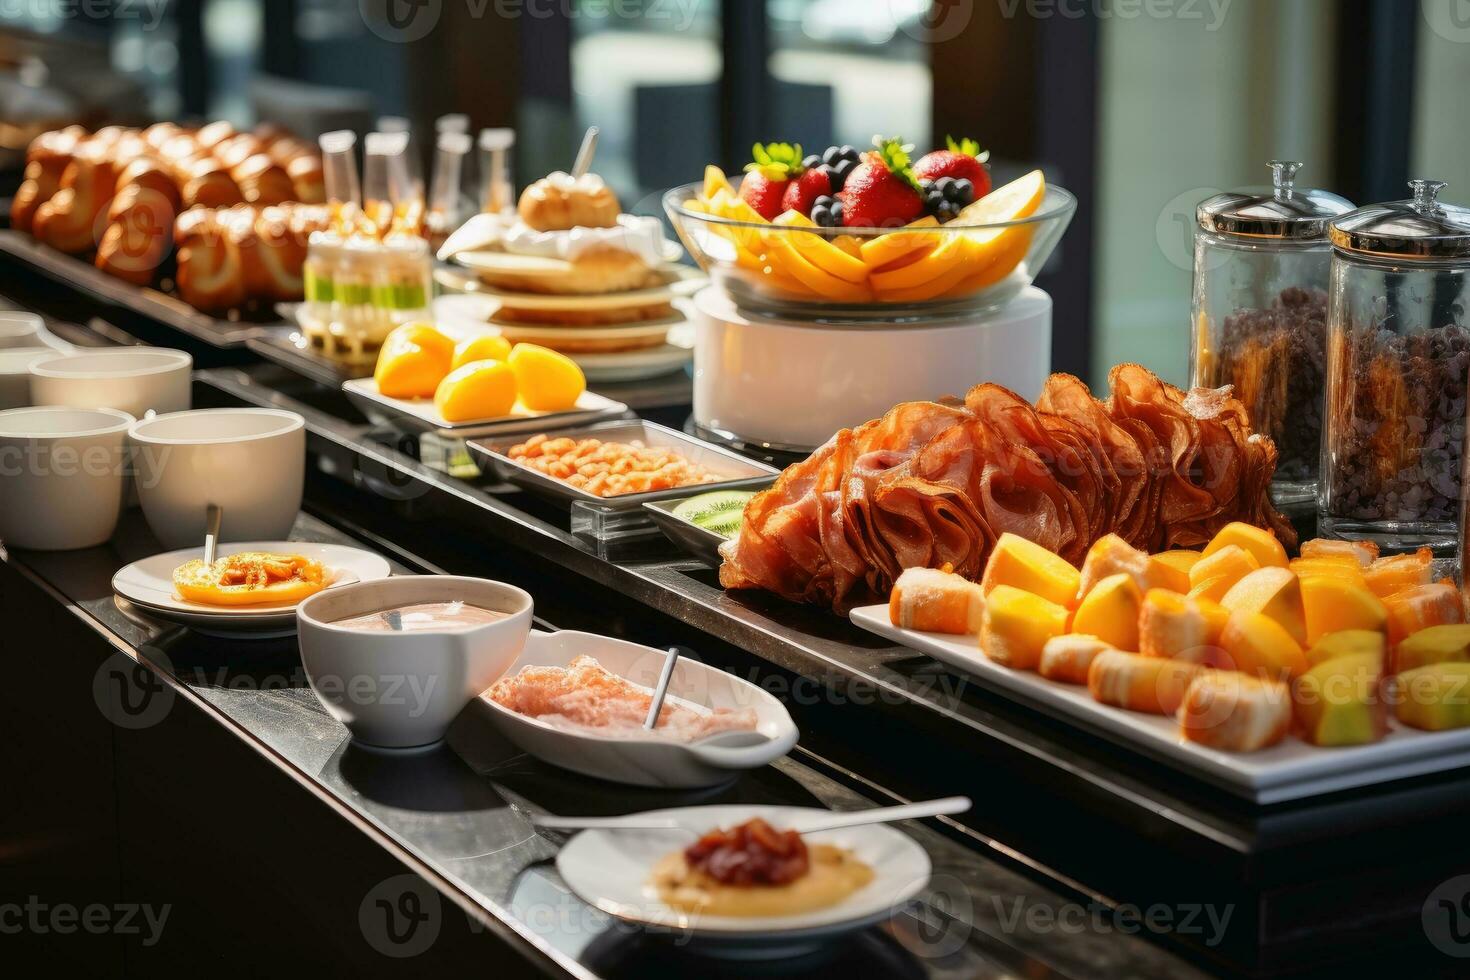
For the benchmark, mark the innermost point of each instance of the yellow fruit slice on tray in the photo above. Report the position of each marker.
(413, 360)
(485, 347)
(477, 390)
(819, 251)
(548, 380)
(784, 257)
(995, 252)
(715, 181)
(880, 251)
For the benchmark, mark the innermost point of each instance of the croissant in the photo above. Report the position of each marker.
(560, 201)
(210, 186)
(209, 276)
(139, 233)
(68, 220)
(262, 181)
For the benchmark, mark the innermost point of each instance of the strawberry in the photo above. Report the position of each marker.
(962, 161)
(767, 178)
(882, 191)
(803, 192)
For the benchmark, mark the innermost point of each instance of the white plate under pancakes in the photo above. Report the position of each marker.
(680, 281)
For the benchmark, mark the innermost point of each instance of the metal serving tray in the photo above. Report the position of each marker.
(702, 543)
(743, 473)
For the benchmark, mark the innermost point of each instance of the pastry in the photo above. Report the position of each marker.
(139, 234)
(46, 160)
(210, 185)
(262, 181)
(560, 202)
(210, 277)
(307, 182)
(68, 220)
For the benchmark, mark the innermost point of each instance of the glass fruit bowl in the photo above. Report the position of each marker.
(792, 268)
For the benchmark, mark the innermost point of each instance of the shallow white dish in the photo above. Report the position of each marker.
(610, 870)
(590, 407)
(149, 585)
(1290, 770)
(646, 760)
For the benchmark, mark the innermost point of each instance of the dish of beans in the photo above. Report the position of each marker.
(610, 469)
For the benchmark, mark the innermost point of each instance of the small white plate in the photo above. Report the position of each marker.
(680, 280)
(646, 760)
(610, 869)
(149, 585)
(589, 408)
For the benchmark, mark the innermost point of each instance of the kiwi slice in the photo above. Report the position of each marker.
(719, 511)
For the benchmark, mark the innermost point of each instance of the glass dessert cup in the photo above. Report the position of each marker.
(860, 275)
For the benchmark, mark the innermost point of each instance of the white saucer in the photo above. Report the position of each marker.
(148, 584)
(611, 869)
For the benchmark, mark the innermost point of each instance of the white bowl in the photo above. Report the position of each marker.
(62, 473)
(647, 760)
(249, 461)
(136, 380)
(20, 329)
(403, 690)
(15, 374)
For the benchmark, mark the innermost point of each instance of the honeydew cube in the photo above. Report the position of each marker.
(1170, 625)
(1066, 658)
(1027, 566)
(1340, 701)
(1338, 567)
(1227, 710)
(1273, 591)
(1170, 569)
(1261, 543)
(1138, 683)
(1110, 612)
(1016, 626)
(1421, 607)
(1436, 644)
(1360, 553)
(1434, 697)
(1258, 645)
(1111, 555)
(1223, 568)
(1345, 643)
(1385, 576)
(1334, 604)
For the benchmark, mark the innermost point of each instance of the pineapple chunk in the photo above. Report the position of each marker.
(1273, 591)
(1110, 612)
(1435, 697)
(1111, 555)
(1067, 658)
(1261, 543)
(1029, 567)
(1016, 626)
(1433, 645)
(1335, 604)
(1256, 644)
(1340, 701)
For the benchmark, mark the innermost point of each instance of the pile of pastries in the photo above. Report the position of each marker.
(239, 206)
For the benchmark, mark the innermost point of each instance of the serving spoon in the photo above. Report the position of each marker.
(212, 518)
(806, 825)
(736, 739)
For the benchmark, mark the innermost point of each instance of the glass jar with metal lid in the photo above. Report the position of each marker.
(1261, 265)
(1398, 352)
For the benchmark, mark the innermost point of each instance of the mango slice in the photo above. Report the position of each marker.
(1111, 555)
(821, 252)
(1139, 683)
(1170, 625)
(1170, 569)
(1433, 645)
(478, 390)
(548, 380)
(1336, 604)
(1028, 566)
(1272, 591)
(485, 347)
(1421, 607)
(1361, 553)
(1258, 645)
(413, 360)
(715, 180)
(1227, 710)
(883, 249)
(1068, 657)
(1398, 572)
(1435, 697)
(1347, 643)
(1216, 616)
(1340, 701)
(1221, 570)
(1261, 543)
(1110, 612)
(1016, 626)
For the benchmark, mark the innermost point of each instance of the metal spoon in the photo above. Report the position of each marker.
(801, 824)
(212, 518)
(585, 154)
(661, 689)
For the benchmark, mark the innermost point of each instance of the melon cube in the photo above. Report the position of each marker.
(1067, 658)
(1170, 569)
(1434, 697)
(1360, 553)
(1215, 615)
(1273, 591)
(1110, 612)
(1339, 568)
(1170, 625)
(1227, 710)
(1016, 626)
(1139, 683)
(1027, 566)
(1433, 645)
(1340, 701)
(1421, 607)
(1258, 645)
(1111, 555)
(1347, 643)
(1335, 604)
(1261, 543)
(1398, 572)
(1223, 568)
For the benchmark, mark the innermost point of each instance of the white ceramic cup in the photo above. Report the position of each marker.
(249, 461)
(15, 374)
(136, 380)
(403, 689)
(20, 329)
(62, 473)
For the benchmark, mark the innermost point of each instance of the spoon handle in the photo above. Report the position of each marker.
(211, 532)
(662, 689)
(886, 814)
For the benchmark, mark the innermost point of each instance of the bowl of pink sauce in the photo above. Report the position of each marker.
(396, 660)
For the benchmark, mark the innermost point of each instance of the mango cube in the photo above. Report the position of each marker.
(1434, 645)
(1214, 574)
(1421, 607)
(1016, 626)
(1110, 612)
(1340, 701)
(1170, 569)
(1360, 553)
(1215, 615)
(1261, 543)
(1027, 566)
(1258, 645)
(1335, 604)
(1138, 683)
(1227, 710)
(1398, 572)
(1170, 625)
(1272, 591)
(1435, 697)
(1347, 643)
(1111, 555)
(1067, 658)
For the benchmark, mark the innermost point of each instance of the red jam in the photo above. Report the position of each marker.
(754, 853)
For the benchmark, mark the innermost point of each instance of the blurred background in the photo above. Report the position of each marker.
(1141, 107)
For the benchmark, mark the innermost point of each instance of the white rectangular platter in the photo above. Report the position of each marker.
(590, 407)
(1291, 770)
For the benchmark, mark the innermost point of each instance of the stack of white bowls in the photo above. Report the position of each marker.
(24, 339)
